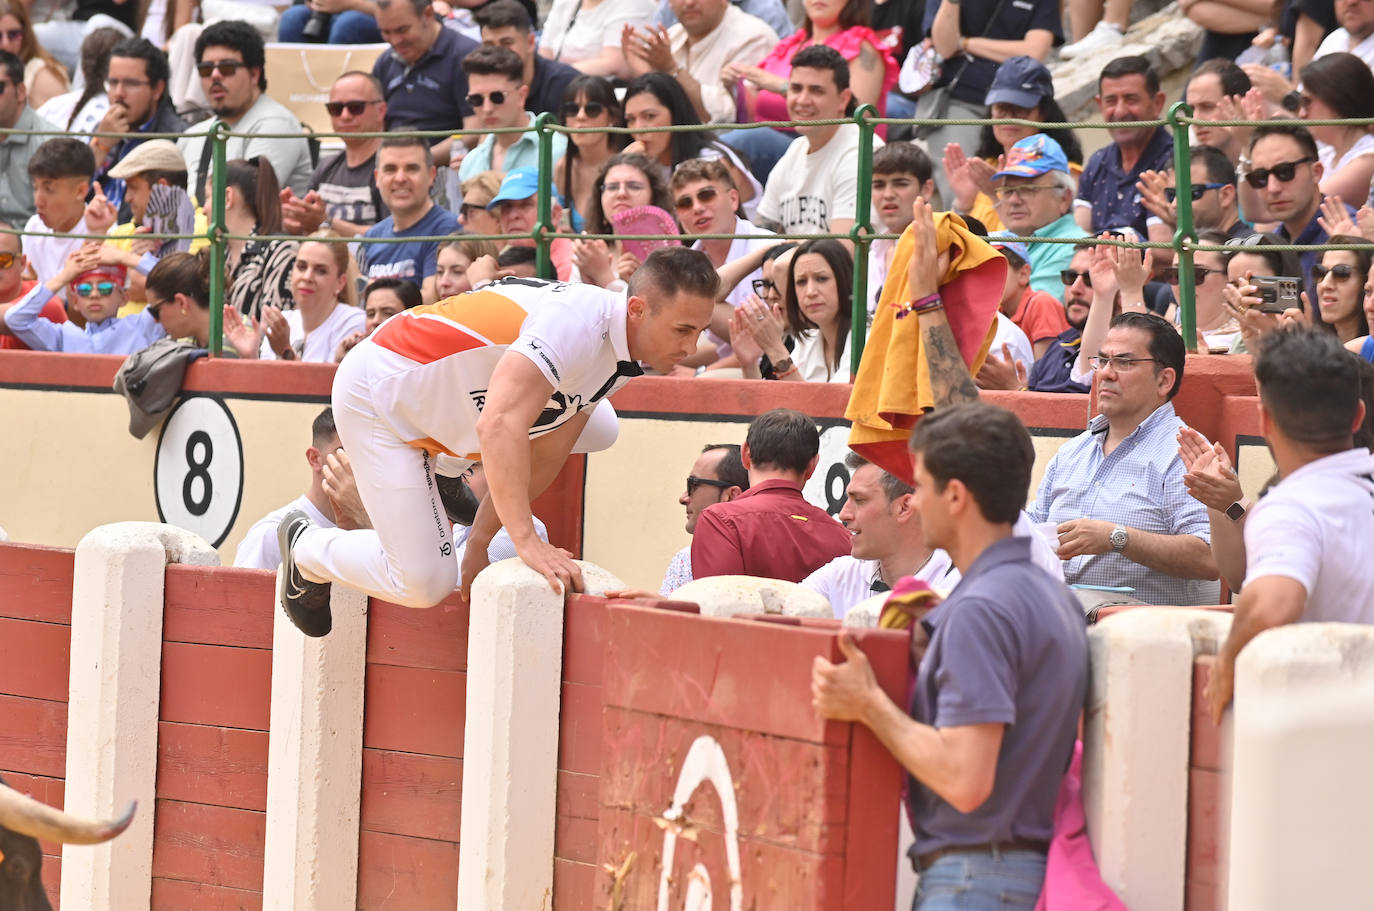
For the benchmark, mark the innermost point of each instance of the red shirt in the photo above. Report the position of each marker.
(52, 311)
(1040, 316)
(769, 531)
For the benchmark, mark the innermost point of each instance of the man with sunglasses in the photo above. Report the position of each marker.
(13, 286)
(496, 94)
(507, 24)
(16, 192)
(717, 476)
(707, 202)
(1215, 206)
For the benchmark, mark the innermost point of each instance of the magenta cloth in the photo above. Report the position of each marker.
(1072, 880)
(772, 106)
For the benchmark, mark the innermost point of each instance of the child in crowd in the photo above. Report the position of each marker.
(60, 172)
(901, 173)
(95, 287)
(1038, 314)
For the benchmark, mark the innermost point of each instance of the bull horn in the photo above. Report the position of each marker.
(27, 816)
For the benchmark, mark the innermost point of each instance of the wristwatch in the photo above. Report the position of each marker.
(1236, 511)
(1119, 538)
(782, 366)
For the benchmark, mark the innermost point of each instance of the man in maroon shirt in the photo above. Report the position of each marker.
(770, 530)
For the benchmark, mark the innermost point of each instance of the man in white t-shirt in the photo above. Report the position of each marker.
(1356, 32)
(814, 186)
(1305, 542)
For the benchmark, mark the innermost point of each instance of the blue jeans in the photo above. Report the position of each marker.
(763, 146)
(348, 27)
(1010, 881)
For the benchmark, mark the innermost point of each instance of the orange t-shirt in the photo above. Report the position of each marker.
(1040, 315)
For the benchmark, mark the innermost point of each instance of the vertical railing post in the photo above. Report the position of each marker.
(218, 245)
(544, 197)
(861, 235)
(1185, 235)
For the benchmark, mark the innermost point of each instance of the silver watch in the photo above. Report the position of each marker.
(1119, 538)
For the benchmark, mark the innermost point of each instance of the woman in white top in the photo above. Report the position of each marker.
(586, 33)
(313, 330)
(1334, 87)
(44, 77)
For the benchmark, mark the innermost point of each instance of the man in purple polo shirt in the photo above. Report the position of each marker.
(993, 720)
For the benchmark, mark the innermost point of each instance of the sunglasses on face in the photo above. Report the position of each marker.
(693, 482)
(8, 259)
(1171, 274)
(87, 289)
(356, 108)
(1069, 276)
(153, 309)
(476, 100)
(764, 287)
(1341, 272)
(226, 67)
(590, 108)
(1284, 171)
(704, 196)
(1171, 193)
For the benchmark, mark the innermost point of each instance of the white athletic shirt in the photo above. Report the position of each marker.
(1315, 527)
(432, 364)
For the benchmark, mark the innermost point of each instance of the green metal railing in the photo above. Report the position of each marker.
(861, 235)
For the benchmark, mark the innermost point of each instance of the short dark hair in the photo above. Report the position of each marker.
(824, 57)
(488, 60)
(155, 65)
(62, 157)
(1220, 169)
(1130, 65)
(985, 448)
(783, 439)
(237, 36)
(407, 142)
(730, 468)
(903, 158)
(893, 486)
(1309, 384)
(675, 270)
(504, 14)
(1166, 345)
(1233, 79)
(405, 290)
(1298, 133)
(12, 67)
(1343, 81)
(322, 428)
(512, 255)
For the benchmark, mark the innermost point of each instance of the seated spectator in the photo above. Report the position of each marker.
(1217, 327)
(422, 73)
(586, 34)
(13, 286)
(1340, 278)
(1039, 315)
(96, 292)
(342, 196)
(44, 76)
(405, 174)
(814, 187)
(886, 540)
(901, 173)
(628, 181)
(1336, 87)
(656, 100)
(774, 12)
(1116, 491)
(1214, 194)
(816, 318)
(517, 212)
(232, 65)
(1022, 89)
(478, 193)
(1355, 34)
(1300, 566)
(321, 319)
(1035, 193)
(717, 476)
(589, 102)
(497, 96)
(695, 50)
(867, 65)
(61, 172)
(1213, 92)
(260, 270)
(1052, 370)
(178, 292)
(507, 24)
(1127, 90)
(16, 190)
(706, 201)
(1254, 256)
(80, 109)
(451, 266)
(153, 164)
(383, 298)
(521, 262)
(138, 103)
(770, 530)
(330, 21)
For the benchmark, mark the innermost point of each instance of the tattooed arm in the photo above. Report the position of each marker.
(950, 381)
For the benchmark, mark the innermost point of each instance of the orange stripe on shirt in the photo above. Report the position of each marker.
(488, 313)
(435, 331)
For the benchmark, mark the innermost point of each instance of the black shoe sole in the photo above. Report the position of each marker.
(306, 603)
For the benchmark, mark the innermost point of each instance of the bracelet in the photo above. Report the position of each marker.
(793, 369)
(924, 305)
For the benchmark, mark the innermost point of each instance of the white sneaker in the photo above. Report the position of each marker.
(1104, 35)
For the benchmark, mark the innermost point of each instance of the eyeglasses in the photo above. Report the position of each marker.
(764, 287)
(693, 482)
(1069, 276)
(87, 289)
(1022, 192)
(1340, 272)
(627, 186)
(335, 108)
(1171, 274)
(1118, 362)
(1171, 193)
(704, 196)
(207, 68)
(466, 209)
(590, 108)
(12, 35)
(115, 84)
(1284, 171)
(8, 259)
(476, 100)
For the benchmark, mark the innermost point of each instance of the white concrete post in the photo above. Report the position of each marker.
(1135, 748)
(1302, 798)
(112, 711)
(315, 761)
(510, 739)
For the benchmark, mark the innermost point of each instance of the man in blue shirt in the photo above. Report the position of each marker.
(1127, 89)
(405, 174)
(994, 716)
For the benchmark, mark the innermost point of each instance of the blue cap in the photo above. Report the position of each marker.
(1011, 246)
(1035, 155)
(1020, 81)
(522, 183)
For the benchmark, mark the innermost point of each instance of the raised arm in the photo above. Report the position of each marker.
(950, 380)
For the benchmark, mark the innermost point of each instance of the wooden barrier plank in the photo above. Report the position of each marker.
(213, 685)
(415, 710)
(215, 605)
(1205, 793)
(224, 767)
(216, 846)
(434, 638)
(574, 885)
(37, 582)
(34, 736)
(577, 797)
(34, 659)
(406, 794)
(398, 871)
(579, 729)
(574, 839)
(52, 880)
(584, 638)
(175, 895)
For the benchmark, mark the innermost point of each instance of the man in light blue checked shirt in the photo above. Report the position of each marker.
(1116, 493)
